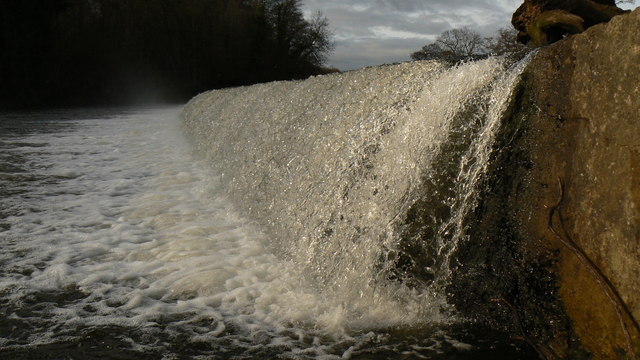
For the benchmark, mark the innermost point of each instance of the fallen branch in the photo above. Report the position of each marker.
(605, 284)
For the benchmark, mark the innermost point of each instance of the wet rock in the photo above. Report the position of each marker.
(578, 123)
(543, 22)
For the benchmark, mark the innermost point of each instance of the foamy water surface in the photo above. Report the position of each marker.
(115, 238)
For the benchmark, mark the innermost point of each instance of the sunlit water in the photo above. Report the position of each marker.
(118, 241)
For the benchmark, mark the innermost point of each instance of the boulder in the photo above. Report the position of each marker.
(543, 22)
(577, 152)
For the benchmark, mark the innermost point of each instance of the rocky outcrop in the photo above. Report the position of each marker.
(571, 180)
(543, 22)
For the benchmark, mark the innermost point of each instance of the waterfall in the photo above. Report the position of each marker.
(361, 179)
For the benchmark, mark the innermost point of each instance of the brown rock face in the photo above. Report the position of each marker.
(546, 21)
(579, 120)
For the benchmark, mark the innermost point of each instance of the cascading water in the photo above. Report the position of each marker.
(337, 167)
(315, 219)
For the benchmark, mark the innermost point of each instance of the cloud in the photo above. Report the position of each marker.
(371, 32)
(357, 54)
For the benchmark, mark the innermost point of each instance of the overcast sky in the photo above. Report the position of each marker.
(373, 32)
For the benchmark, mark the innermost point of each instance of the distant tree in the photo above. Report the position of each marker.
(299, 44)
(453, 46)
(504, 43)
(462, 42)
(429, 52)
(26, 35)
(83, 52)
(317, 40)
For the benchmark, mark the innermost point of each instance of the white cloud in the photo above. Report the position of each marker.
(386, 32)
(366, 52)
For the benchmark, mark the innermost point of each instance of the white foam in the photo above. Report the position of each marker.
(138, 225)
(331, 166)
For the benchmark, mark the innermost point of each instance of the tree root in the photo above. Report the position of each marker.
(605, 284)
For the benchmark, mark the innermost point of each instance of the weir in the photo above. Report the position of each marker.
(362, 179)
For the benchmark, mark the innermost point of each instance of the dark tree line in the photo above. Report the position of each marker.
(81, 52)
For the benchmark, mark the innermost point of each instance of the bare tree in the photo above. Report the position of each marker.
(298, 43)
(428, 52)
(462, 42)
(504, 43)
(315, 42)
(453, 46)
